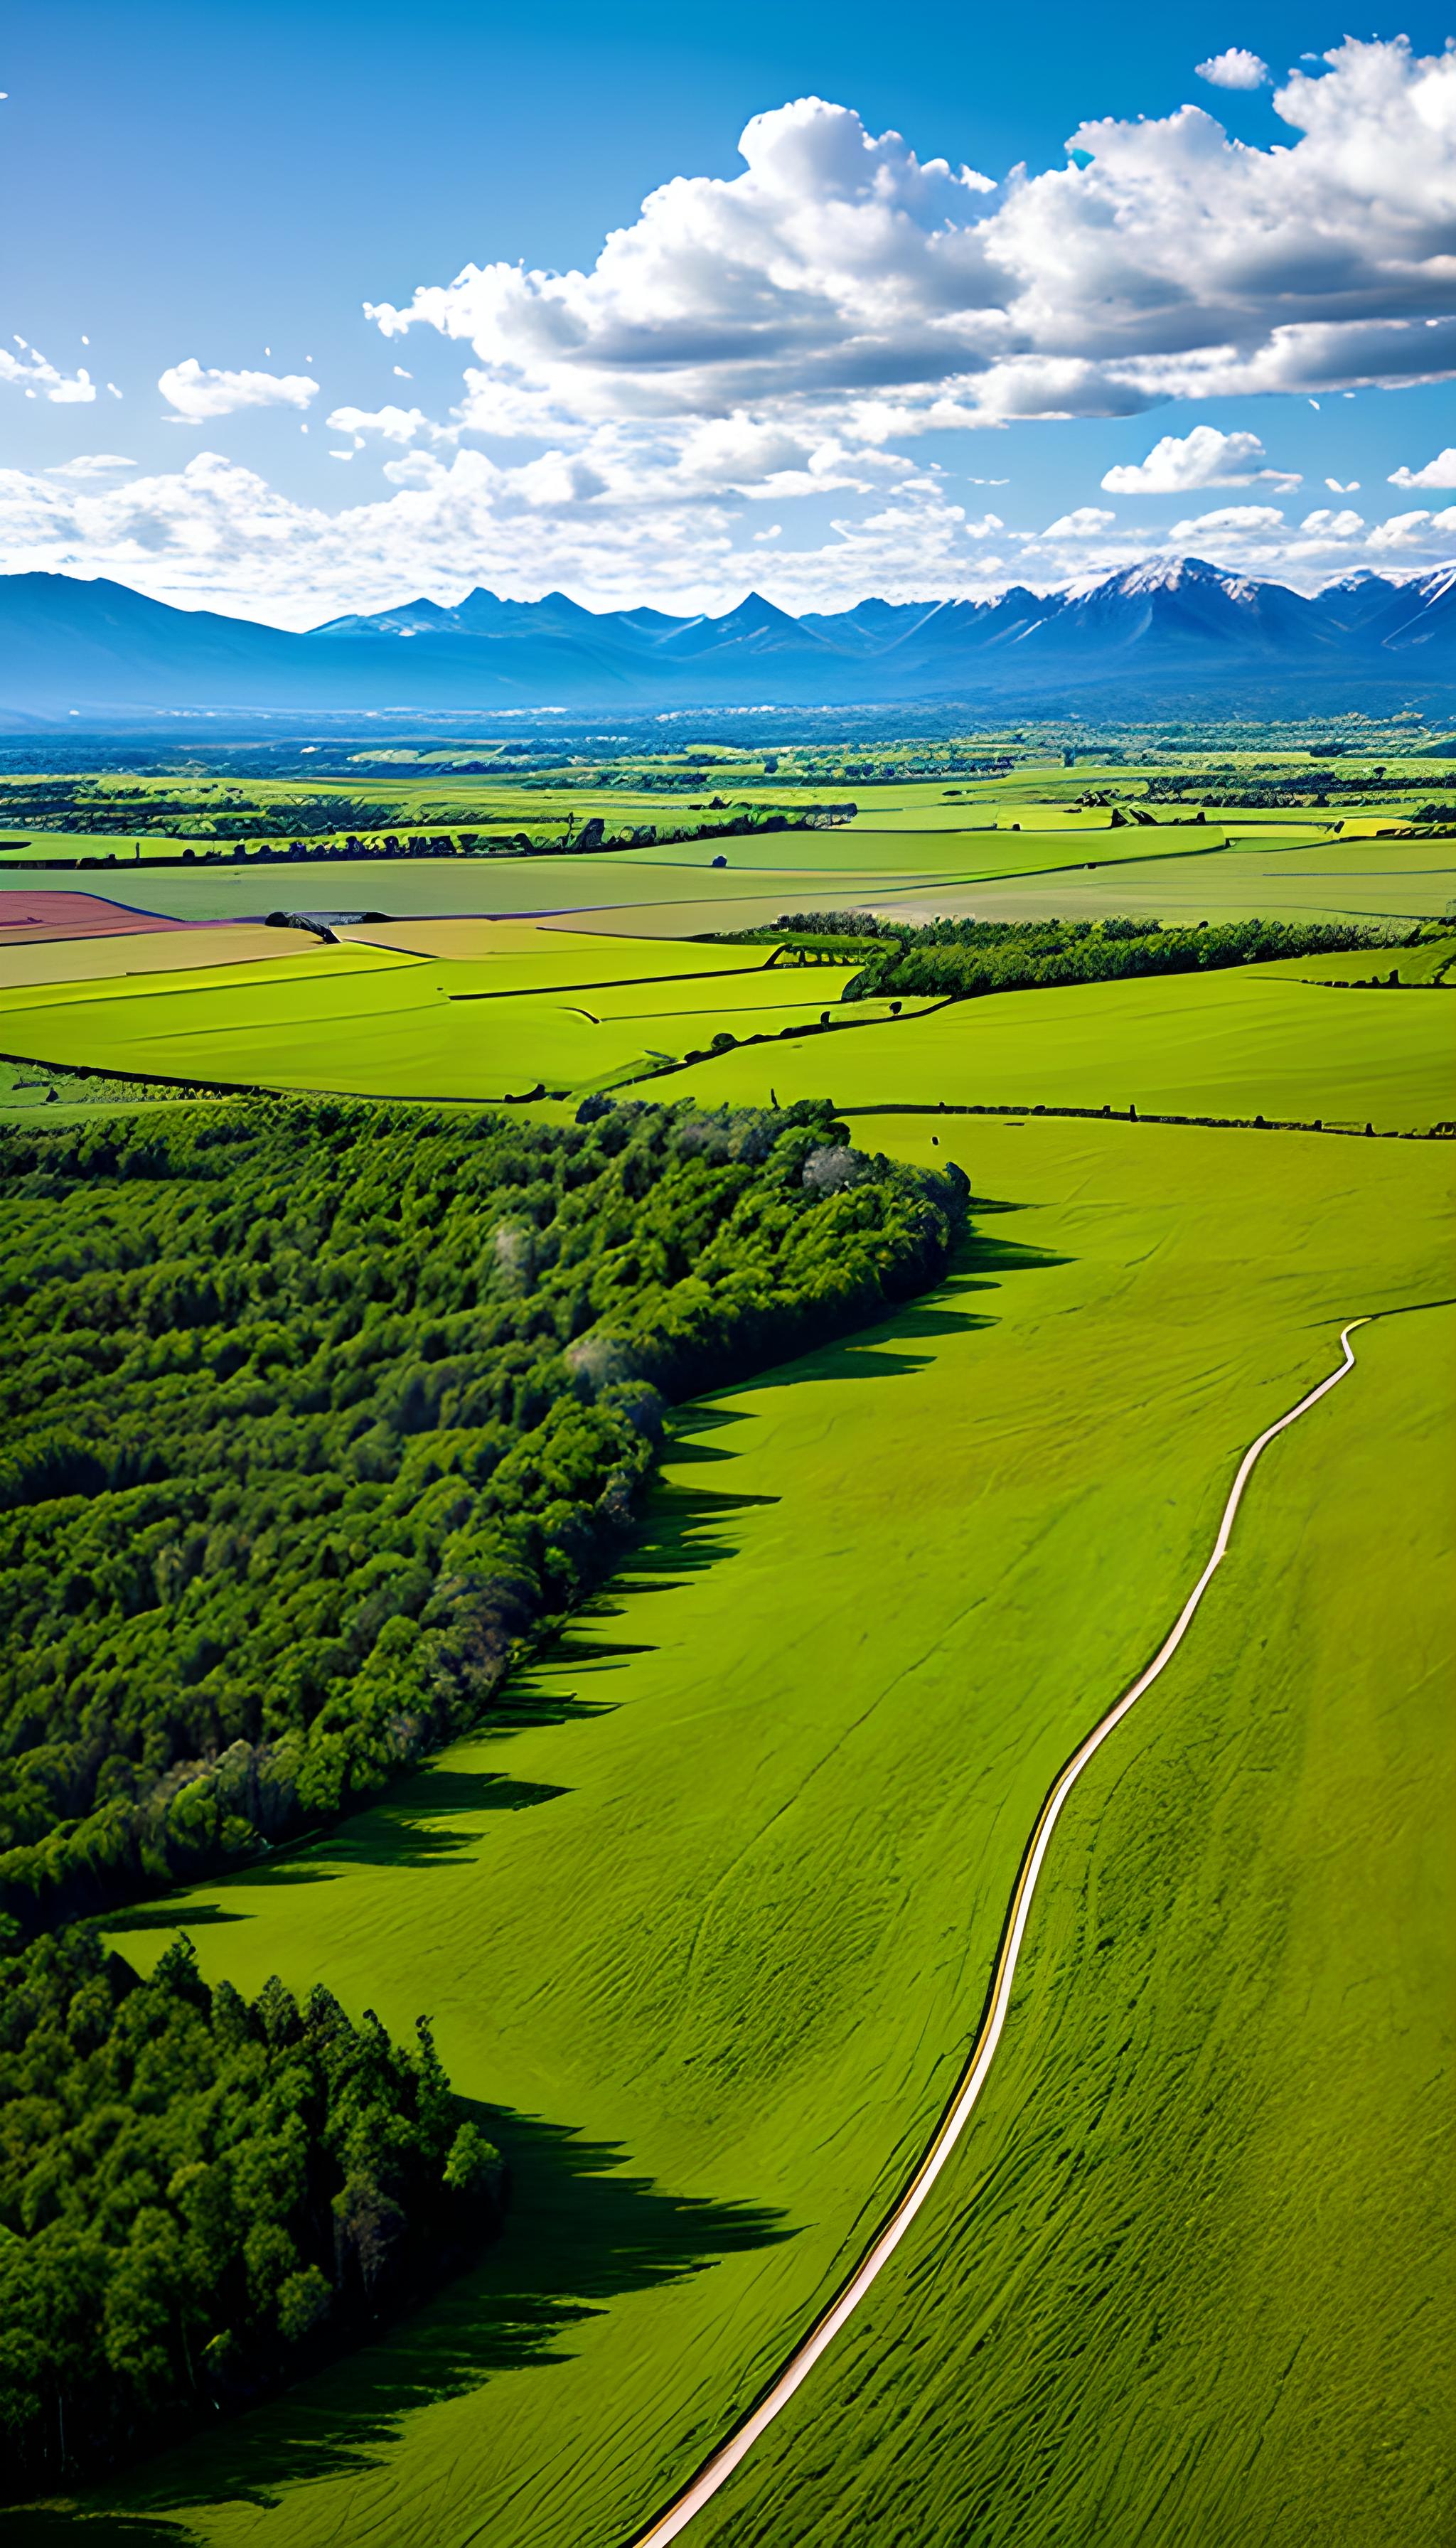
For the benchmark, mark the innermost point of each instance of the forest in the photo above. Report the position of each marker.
(199, 2196)
(314, 1411)
(314, 1414)
(962, 959)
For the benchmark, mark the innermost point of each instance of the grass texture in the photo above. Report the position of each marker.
(1227, 1044)
(1188, 2278)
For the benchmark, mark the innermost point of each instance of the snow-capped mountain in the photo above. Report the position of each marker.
(1167, 629)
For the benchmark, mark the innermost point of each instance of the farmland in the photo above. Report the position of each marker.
(703, 1913)
(751, 2026)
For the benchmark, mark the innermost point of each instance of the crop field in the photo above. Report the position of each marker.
(27, 963)
(1219, 1043)
(719, 2064)
(1224, 2033)
(375, 1019)
(371, 1020)
(703, 1914)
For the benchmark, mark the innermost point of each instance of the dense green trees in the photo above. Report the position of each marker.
(960, 959)
(198, 2195)
(311, 1412)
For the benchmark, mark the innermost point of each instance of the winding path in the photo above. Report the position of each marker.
(719, 2467)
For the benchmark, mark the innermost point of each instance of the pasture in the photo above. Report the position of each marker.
(367, 1019)
(881, 1593)
(1226, 1044)
(1225, 2057)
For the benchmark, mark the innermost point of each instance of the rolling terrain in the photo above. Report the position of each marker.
(706, 1914)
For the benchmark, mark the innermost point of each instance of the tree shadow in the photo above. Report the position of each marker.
(886, 1351)
(685, 1531)
(399, 1831)
(580, 2232)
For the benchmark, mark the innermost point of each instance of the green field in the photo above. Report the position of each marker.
(706, 1915)
(1226, 2056)
(926, 788)
(373, 1020)
(918, 871)
(1227, 1044)
(737, 2040)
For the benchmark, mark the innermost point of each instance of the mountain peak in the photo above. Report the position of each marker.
(754, 610)
(1165, 627)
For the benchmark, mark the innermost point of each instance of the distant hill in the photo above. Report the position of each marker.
(1172, 631)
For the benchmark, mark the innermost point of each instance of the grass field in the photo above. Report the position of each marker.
(883, 1596)
(708, 1916)
(1228, 2054)
(370, 1019)
(1001, 875)
(1227, 1044)
(378, 1020)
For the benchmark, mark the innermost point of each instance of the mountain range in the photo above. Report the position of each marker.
(1158, 634)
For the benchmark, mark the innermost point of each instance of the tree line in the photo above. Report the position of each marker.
(961, 959)
(201, 2195)
(314, 1414)
(310, 1413)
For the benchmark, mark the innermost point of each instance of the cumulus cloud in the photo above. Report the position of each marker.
(90, 464)
(600, 527)
(1328, 525)
(392, 423)
(1203, 458)
(1237, 69)
(1440, 472)
(199, 396)
(1083, 524)
(840, 283)
(1240, 520)
(1414, 530)
(29, 371)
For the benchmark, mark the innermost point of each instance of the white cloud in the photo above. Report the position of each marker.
(1403, 530)
(1203, 458)
(1083, 524)
(1351, 486)
(90, 464)
(1237, 69)
(201, 397)
(1326, 526)
(841, 285)
(392, 423)
(1239, 523)
(597, 522)
(1440, 472)
(30, 372)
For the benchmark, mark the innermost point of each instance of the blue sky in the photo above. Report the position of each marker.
(837, 369)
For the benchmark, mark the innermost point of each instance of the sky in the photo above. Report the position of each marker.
(323, 306)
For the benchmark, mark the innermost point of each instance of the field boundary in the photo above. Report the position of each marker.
(714, 2472)
(1134, 1114)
